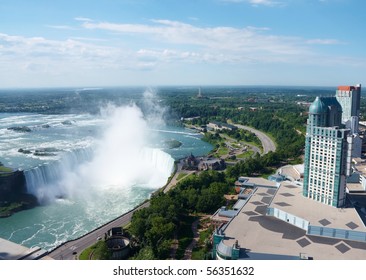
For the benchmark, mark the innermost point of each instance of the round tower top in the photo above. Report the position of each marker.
(318, 107)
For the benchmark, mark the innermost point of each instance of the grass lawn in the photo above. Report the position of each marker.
(236, 145)
(5, 169)
(245, 154)
(222, 151)
(181, 175)
(98, 251)
(86, 253)
(258, 145)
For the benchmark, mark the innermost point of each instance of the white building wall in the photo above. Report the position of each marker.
(289, 218)
(345, 99)
(363, 182)
(322, 173)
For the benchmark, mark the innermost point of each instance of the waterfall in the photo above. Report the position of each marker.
(150, 168)
(121, 159)
(44, 180)
(160, 160)
(160, 163)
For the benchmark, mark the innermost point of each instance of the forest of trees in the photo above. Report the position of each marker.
(154, 227)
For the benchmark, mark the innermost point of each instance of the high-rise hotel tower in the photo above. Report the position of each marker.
(328, 148)
(350, 99)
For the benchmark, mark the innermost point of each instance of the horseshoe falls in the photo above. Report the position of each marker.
(86, 169)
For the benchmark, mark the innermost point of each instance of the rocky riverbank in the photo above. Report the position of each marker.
(13, 193)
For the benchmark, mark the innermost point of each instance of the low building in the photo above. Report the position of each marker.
(118, 244)
(119, 247)
(203, 163)
(358, 175)
(190, 163)
(211, 164)
(217, 126)
(280, 223)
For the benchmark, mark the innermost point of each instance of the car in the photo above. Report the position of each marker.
(99, 238)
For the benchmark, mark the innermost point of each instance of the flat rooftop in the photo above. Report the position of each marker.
(360, 165)
(289, 198)
(355, 187)
(12, 251)
(266, 237)
(291, 171)
(258, 181)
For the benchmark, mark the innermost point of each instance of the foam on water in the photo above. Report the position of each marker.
(106, 165)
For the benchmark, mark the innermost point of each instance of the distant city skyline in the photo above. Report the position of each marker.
(172, 42)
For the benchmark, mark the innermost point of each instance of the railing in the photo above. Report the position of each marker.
(337, 233)
(289, 218)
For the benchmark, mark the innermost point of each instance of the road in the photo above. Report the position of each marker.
(267, 143)
(71, 249)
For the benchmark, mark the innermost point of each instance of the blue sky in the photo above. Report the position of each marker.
(174, 42)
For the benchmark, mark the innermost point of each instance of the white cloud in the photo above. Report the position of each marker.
(28, 52)
(164, 41)
(264, 2)
(161, 44)
(89, 39)
(324, 42)
(82, 19)
(167, 41)
(248, 40)
(168, 55)
(256, 3)
(63, 27)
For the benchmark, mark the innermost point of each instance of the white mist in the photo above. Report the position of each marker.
(121, 159)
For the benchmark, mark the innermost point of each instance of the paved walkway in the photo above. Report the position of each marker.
(188, 252)
(174, 247)
(175, 180)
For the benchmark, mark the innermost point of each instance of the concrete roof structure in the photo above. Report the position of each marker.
(266, 237)
(291, 171)
(12, 251)
(359, 165)
(289, 198)
(355, 187)
(258, 181)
